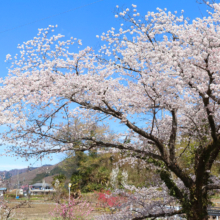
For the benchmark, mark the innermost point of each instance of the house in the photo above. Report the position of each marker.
(41, 188)
(24, 190)
(2, 191)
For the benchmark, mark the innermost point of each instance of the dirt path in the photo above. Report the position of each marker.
(216, 202)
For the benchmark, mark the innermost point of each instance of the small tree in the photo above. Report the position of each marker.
(58, 184)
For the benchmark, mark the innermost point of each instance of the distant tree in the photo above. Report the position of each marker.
(58, 183)
(60, 179)
(92, 172)
(39, 177)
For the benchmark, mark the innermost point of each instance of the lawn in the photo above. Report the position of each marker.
(40, 207)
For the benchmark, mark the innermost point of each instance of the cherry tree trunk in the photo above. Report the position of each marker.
(198, 208)
(197, 213)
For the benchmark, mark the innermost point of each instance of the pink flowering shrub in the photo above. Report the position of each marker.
(109, 200)
(73, 210)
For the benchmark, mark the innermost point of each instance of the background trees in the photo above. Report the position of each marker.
(92, 172)
(158, 77)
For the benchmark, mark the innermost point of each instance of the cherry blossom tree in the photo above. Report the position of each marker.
(206, 2)
(158, 77)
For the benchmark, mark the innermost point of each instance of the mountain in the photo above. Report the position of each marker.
(14, 172)
(47, 165)
(31, 175)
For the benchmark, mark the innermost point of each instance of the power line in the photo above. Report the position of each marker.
(73, 9)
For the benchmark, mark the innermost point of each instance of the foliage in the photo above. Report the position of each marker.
(57, 170)
(92, 173)
(39, 177)
(60, 178)
(58, 183)
(110, 200)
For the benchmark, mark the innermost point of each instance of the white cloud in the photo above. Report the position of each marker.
(4, 167)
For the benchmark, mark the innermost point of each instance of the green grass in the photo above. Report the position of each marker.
(25, 198)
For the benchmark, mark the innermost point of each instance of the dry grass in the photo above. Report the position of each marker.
(36, 211)
(42, 210)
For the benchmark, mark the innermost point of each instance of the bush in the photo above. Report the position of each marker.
(110, 201)
(91, 187)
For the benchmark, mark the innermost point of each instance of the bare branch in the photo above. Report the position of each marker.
(163, 214)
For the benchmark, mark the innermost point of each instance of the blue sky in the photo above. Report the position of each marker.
(83, 19)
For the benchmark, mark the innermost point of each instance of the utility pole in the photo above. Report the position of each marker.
(69, 186)
(17, 184)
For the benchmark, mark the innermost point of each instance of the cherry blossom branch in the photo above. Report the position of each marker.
(211, 187)
(154, 216)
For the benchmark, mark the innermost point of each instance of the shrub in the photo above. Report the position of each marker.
(110, 201)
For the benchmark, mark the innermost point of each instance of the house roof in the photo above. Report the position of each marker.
(41, 184)
(3, 189)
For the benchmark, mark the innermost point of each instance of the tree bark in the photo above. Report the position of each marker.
(197, 213)
(198, 206)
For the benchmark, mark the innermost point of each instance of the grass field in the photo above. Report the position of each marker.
(40, 208)
(36, 211)
(40, 211)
